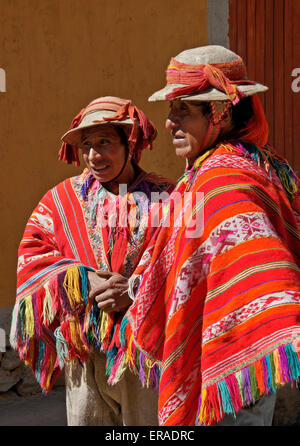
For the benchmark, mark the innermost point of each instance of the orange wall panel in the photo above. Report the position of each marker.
(266, 34)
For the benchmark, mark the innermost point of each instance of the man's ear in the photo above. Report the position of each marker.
(227, 119)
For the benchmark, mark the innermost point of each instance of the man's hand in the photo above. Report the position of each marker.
(110, 290)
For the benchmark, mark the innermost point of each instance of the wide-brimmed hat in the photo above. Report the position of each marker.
(207, 73)
(109, 110)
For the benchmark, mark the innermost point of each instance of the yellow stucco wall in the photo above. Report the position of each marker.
(60, 54)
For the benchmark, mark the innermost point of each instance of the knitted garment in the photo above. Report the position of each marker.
(69, 233)
(217, 315)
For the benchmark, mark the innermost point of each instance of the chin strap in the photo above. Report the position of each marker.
(114, 180)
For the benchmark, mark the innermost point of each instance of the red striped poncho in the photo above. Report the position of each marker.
(218, 314)
(70, 232)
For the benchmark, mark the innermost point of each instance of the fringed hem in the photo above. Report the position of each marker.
(129, 356)
(245, 387)
(52, 325)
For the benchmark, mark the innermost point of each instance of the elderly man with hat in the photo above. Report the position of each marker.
(216, 309)
(77, 234)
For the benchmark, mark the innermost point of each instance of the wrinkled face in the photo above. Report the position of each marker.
(103, 152)
(188, 126)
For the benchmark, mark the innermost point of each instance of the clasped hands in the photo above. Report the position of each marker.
(110, 290)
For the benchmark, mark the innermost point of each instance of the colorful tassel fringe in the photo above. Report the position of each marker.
(48, 326)
(59, 323)
(130, 357)
(245, 387)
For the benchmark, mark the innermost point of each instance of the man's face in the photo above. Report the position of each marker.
(188, 127)
(103, 152)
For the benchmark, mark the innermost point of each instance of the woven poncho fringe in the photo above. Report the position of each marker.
(85, 326)
(227, 396)
(246, 386)
(220, 324)
(34, 323)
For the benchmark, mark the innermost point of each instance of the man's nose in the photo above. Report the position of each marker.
(171, 123)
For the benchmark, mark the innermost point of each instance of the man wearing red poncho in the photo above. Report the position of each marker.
(77, 234)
